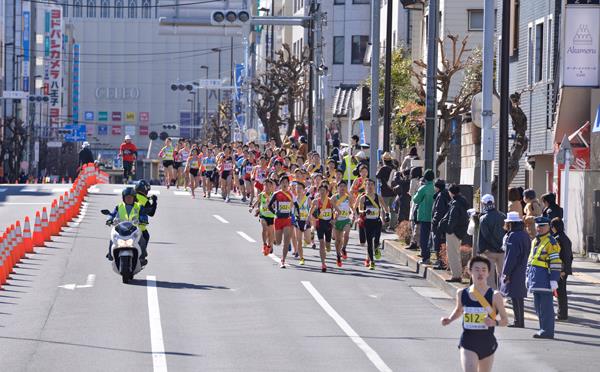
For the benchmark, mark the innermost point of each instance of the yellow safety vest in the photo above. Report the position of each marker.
(351, 166)
(545, 253)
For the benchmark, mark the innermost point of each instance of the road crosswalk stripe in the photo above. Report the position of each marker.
(351, 333)
(154, 192)
(3, 190)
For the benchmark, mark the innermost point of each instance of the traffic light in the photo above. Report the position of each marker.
(169, 126)
(229, 17)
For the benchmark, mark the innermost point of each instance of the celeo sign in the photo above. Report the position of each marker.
(111, 93)
(581, 46)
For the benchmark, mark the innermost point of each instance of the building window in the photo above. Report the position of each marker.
(530, 55)
(91, 8)
(146, 9)
(118, 8)
(338, 50)
(550, 51)
(65, 8)
(105, 9)
(359, 47)
(77, 9)
(361, 1)
(339, 2)
(475, 19)
(514, 27)
(132, 11)
(539, 50)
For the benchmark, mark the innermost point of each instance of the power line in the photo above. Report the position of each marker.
(124, 54)
(124, 6)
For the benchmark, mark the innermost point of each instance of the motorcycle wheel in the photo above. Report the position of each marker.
(125, 269)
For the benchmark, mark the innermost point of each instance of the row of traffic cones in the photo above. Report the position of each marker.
(16, 242)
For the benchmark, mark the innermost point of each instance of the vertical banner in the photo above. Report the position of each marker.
(238, 101)
(26, 44)
(46, 52)
(581, 43)
(55, 69)
(76, 81)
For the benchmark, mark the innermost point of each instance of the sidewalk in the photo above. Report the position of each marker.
(583, 287)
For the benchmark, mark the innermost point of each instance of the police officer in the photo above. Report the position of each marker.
(543, 272)
(148, 208)
(128, 210)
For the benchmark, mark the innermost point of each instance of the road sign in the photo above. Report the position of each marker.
(54, 144)
(78, 133)
(14, 94)
(210, 83)
(565, 147)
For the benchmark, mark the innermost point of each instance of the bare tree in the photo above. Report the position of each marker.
(521, 142)
(13, 146)
(453, 60)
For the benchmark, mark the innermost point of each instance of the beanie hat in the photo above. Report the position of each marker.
(429, 176)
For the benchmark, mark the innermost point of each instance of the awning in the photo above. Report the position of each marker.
(341, 100)
(573, 110)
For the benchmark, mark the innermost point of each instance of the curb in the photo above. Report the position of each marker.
(410, 259)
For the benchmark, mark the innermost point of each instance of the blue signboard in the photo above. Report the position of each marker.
(26, 44)
(103, 130)
(78, 133)
(89, 115)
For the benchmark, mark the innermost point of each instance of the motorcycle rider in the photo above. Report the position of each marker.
(148, 208)
(128, 210)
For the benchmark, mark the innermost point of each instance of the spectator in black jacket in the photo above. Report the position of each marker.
(441, 205)
(403, 199)
(85, 154)
(491, 234)
(456, 221)
(551, 209)
(566, 256)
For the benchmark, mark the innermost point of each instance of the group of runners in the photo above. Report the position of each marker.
(296, 196)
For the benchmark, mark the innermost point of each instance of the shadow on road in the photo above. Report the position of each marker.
(177, 285)
(94, 346)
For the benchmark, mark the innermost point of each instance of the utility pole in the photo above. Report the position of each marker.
(504, 82)
(387, 102)
(375, 53)
(487, 134)
(311, 75)
(320, 71)
(431, 95)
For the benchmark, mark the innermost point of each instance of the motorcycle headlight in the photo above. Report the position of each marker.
(122, 243)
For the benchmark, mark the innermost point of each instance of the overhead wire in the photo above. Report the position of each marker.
(126, 6)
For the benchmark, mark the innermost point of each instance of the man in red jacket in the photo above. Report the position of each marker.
(127, 152)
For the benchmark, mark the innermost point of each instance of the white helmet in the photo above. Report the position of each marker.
(361, 155)
(127, 137)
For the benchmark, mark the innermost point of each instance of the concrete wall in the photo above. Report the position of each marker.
(579, 216)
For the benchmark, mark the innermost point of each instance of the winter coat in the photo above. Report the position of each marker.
(424, 200)
(491, 231)
(412, 191)
(517, 245)
(566, 252)
(553, 211)
(543, 265)
(516, 206)
(440, 208)
(457, 217)
(403, 199)
(532, 210)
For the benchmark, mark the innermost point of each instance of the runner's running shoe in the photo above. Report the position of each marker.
(282, 266)
(323, 268)
(372, 266)
(377, 254)
(301, 261)
(339, 261)
(367, 262)
(344, 254)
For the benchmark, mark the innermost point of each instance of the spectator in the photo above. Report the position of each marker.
(516, 245)
(355, 146)
(363, 159)
(543, 272)
(335, 151)
(386, 177)
(415, 182)
(566, 256)
(514, 201)
(407, 162)
(85, 154)
(303, 148)
(402, 197)
(128, 152)
(424, 201)
(456, 221)
(491, 233)
(551, 209)
(440, 208)
(532, 210)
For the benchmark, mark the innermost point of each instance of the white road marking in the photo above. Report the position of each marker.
(60, 189)
(182, 193)
(9, 203)
(118, 191)
(29, 189)
(245, 236)
(93, 189)
(154, 192)
(3, 189)
(275, 258)
(369, 352)
(221, 219)
(89, 283)
(159, 359)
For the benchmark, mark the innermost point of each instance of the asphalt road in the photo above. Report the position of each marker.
(215, 303)
(18, 201)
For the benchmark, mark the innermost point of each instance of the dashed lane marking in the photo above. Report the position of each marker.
(245, 236)
(220, 219)
(182, 193)
(348, 330)
(159, 360)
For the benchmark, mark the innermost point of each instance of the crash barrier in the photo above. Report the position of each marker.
(17, 240)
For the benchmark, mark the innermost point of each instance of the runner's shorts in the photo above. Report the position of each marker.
(281, 223)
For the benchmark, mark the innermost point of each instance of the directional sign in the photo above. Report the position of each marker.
(77, 133)
(210, 83)
(14, 94)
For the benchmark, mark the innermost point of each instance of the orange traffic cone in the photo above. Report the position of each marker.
(54, 228)
(19, 241)
(12, 244)
(38, 236)
(46, 233)
(61, 213)
(27, 240)
(3, 262)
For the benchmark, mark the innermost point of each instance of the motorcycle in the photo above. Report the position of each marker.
(125, 247)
